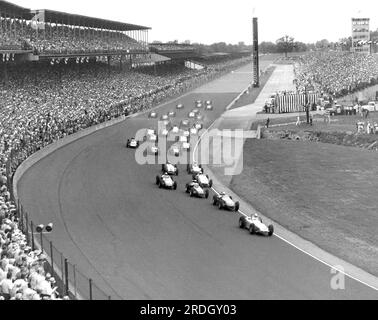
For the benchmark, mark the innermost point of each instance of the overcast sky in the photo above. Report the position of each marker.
(209, 21)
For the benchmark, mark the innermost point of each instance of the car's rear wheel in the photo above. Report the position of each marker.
(210, 183)
(220, 206)
(271, 230)
(175, 185)
(160, 185)
(191, 193)
(214, 202)
(157, 181)
(177, 172)
(237, 205)
(241, 223)
(207, 194)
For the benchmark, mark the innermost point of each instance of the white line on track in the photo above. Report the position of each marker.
(275, 234)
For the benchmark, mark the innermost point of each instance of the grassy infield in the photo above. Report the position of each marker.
(324, 191)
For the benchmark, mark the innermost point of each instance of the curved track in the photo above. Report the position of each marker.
(140, 242)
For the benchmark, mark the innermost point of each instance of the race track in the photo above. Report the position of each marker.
(140, 242)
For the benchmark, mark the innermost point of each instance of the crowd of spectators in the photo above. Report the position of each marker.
(171, 47)
(335, 73)
(40, 104)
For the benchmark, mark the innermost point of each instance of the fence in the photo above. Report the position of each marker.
(290, 103)
(70, 280)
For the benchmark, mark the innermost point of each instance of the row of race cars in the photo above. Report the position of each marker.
(182, 131)
(200, 183)
(199, 187)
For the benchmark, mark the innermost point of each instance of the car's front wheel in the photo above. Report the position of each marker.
(175, 186)
(252, 229)
(241, 223)
(207, 194)
(210, 183)
(220, 206)
(191, 193)
(237, 205)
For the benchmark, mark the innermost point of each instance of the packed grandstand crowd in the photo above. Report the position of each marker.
(41, 103)
(335, 73)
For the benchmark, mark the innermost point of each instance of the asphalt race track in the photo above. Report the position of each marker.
(140, 242)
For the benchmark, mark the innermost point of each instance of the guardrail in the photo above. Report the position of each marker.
(70, 280)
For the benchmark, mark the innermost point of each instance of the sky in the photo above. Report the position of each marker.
(209, 21)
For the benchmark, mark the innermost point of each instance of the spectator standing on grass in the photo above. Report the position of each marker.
(298, 121)
(267, 123)
(368, 128)
(311, 119)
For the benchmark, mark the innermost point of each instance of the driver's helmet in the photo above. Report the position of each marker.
(255, 216)
(165, 174)
(223, 193)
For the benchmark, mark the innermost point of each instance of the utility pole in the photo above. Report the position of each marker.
(255, 53)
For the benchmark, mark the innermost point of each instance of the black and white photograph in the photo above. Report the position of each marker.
(184, 152)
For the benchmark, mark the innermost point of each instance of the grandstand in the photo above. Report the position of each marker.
(34, 35)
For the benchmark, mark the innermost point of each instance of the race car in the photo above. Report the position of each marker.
(175, 150)
(208, 103)
(195, 190)
(196, 111)
(153, 150)
(191, 115)
(184, 123)
(132, 143)
(198, 126)
(224, 201)
(194, 168)
(175, 129)
(180, 106)
(150, 135)
(170, 168)
(199, 117)
(185, 146)
(193, 131)
(182, 138)
(198, 104)
(164, 117)
(163, 132)
(171, 114)
(209, 107)
(185, 133)
(255, 225)
(153, 115)
(166, 181)
(203, 180)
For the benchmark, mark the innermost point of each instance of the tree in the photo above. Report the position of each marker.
(285, 44)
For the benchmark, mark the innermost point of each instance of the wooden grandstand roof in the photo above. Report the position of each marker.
(8, 9)
(84, 21)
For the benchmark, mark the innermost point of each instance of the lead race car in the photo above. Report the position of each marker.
(166, 181)
(132, 143)
(194, 168)
(170, 168)
(224, 201)
(203, 180)
(255, 225)
(195, 190)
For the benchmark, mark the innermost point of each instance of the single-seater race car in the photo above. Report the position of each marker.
(171, 114)
(166, 181)
(132, 143)
(175, 150)
(150, 136)
(255, 225)
(153, 150)
(209, 105)
(170, 169)
(180, 106)
(194, 168)
(184, 123)
(191, 114)
(224, 201)
(203, 180)
(198, 104)
(193, 131)
(195, 190)
(153, 115)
